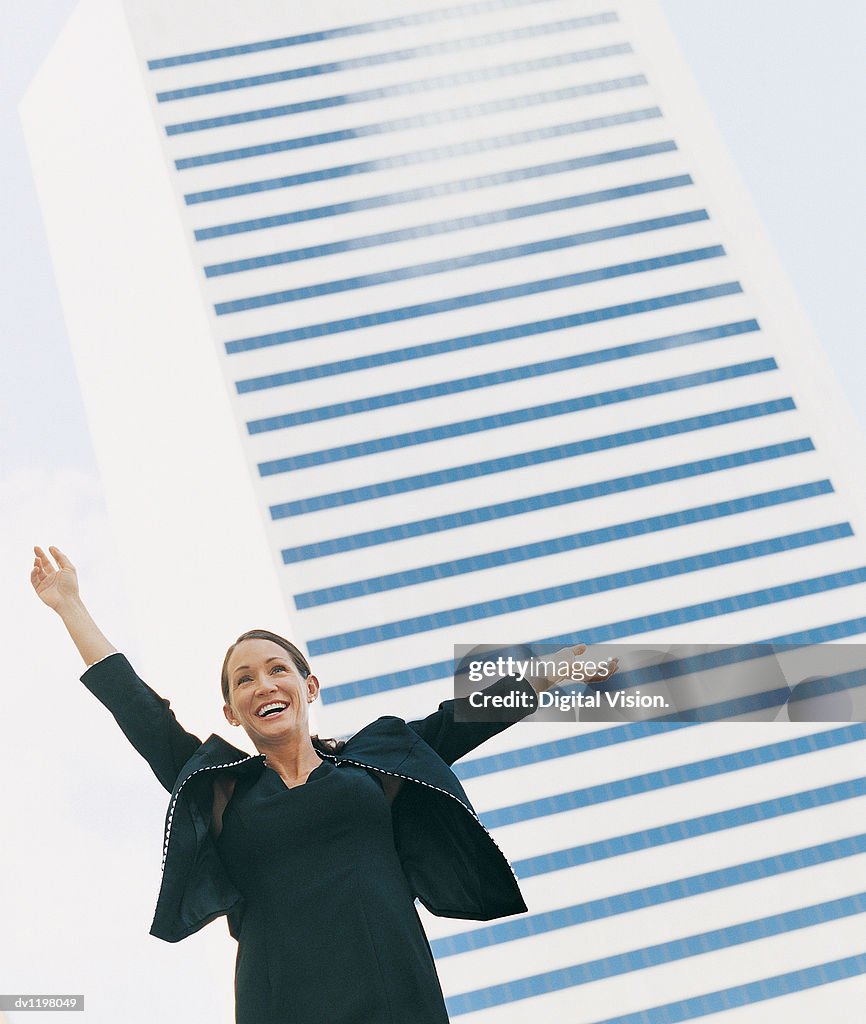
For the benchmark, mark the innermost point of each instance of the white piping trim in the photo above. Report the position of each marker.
(429, 785)
(206, 768)
(336, 760)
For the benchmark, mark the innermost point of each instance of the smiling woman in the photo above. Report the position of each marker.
(288, 660)
(308, 830)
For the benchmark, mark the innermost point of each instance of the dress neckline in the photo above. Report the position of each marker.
(300, 785)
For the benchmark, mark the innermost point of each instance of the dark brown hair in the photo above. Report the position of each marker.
(327, 746)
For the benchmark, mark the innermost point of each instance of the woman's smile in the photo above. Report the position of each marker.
(272, 709)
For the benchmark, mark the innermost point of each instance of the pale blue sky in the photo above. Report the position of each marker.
(782, 77)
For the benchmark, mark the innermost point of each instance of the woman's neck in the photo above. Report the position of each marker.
(293, 758)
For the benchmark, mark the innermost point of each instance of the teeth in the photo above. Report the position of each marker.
(270, 707)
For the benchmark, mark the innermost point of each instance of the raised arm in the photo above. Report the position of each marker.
(145, 718)
(452, 738)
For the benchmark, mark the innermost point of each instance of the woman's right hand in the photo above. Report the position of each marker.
(58, 586)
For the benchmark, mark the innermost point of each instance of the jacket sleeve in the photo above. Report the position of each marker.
(453, 739)
(145, 718)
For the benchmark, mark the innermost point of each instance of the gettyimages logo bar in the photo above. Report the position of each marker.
(615, 682)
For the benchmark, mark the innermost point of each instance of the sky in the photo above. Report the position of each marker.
(782, 79)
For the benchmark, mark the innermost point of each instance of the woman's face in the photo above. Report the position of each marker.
(267, 695)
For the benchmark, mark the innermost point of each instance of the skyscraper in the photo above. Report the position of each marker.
(454, 325)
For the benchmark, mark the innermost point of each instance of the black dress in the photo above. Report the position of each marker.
(329, 930)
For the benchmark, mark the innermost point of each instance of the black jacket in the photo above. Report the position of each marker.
(453, 865)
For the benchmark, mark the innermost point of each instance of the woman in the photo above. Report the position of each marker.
(315, 850)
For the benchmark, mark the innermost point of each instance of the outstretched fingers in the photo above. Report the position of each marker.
(62, 560)
(42, 560)
(41, 564)
(40, 577)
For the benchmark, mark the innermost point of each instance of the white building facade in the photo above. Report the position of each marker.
(433, 324)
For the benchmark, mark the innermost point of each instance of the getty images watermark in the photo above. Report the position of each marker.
(765, 681)
(543, 672)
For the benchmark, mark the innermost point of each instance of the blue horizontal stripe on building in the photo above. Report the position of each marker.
(513, 417)
(520, 460)
(723, 606)
(809, 689)
(388, 57)
(361, 28)
(770, 699)
(512, 333)
(456, 186)
(466, 262)
(581, 743)
(409, 88)
(675, 775)
(420, 156)
(660, 953)
(725, 657)
(566, 746)
(530, 925)
(559, 545)
(443, 227)
(494, 378)
(579, 588)
(400, 124)
(823, 634)
(521, 756)
(351, 690)
(691, 828)
(746, 994)
(467, 301)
